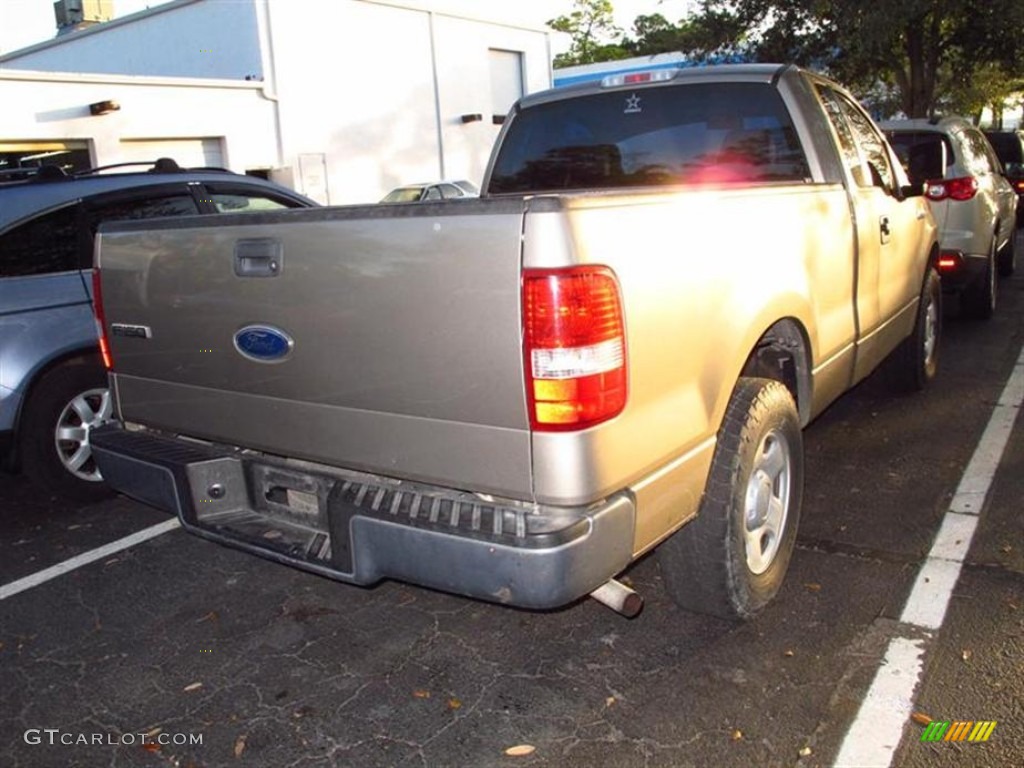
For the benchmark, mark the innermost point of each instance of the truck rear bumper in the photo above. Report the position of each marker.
(361, 528)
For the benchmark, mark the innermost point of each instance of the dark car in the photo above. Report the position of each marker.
(53, 384)
(1009, 147)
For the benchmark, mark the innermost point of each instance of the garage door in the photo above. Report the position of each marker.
(188, 153)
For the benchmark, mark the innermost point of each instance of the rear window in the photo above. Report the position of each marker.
(1007, 146)
(924, 154)
(680, 134)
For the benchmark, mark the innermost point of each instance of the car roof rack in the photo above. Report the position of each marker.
(160, 165)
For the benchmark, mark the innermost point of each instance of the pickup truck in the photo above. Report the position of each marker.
(614, 349)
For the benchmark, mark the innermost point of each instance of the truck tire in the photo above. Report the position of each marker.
(978, 301)
(915, 361)
(1008, 257)
(63, 408)
(731, 560)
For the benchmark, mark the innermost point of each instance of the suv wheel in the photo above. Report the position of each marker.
(1008, 256)
(978, 301)
(65, 406)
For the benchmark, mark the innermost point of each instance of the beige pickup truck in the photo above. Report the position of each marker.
(614, 349)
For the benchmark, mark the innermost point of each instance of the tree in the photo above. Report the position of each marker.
(915, 45)
(591, 26)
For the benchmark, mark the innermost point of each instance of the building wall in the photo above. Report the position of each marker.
(351, 98)
(188, 38)
(56, 106)
(357, 87)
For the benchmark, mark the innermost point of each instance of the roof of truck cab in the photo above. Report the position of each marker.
(716, 72)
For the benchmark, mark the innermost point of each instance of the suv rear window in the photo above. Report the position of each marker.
(924, 154)
(694, 133)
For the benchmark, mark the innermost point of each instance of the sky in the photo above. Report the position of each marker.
(26, 22)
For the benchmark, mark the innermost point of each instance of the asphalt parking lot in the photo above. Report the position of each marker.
(134, 656)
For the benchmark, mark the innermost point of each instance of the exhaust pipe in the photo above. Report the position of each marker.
(619, 598)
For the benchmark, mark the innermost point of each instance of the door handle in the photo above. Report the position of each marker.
(883, 228)
(259, 258)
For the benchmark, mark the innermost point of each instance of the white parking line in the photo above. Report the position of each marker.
(35, 579)
(875, 734)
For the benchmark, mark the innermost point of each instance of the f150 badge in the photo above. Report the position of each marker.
(263, 343)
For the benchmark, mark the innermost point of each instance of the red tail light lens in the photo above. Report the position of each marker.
(950, 261)
(963, 188)
(101, 323)
(574, 347)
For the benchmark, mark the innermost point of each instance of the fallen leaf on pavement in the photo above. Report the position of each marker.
(812, 587)
(805, 752)
(454, 703)
(240, 745)
(966, 654)
(788, 652)
(609, 701)
(737, 735)
(520, 750)
(211, 616)
(192, 687)
(151, 733)
(421, 694)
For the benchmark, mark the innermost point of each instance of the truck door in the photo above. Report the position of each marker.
(889, 235)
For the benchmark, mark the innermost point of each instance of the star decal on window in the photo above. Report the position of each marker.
(632, 105)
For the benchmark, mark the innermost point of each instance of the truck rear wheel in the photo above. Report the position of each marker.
(731, 560)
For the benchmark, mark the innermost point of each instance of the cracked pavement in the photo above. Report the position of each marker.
(277, 667)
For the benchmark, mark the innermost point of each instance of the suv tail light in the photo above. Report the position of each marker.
(574, 347)
(101, 322)
(962, 188)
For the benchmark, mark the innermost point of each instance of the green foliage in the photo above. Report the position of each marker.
(919, 47)
(591, 26)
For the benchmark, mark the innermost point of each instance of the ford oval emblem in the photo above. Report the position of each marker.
(263, 343)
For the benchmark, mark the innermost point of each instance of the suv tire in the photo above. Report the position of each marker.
(1008, 256)
(67, 403)
(915, 361)
(978, 301)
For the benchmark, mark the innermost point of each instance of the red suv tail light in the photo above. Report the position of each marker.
(101, 323)
(574, 347)
(962, 188)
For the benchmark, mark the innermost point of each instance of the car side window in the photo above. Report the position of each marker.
(433, 193)
(128, 209)
(244, 203)
(450, 192)
(866, 137)
(976, 153)
(237, 198)
(44, 245)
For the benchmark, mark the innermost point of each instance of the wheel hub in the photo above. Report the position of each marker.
(767, 502)
(85, 412)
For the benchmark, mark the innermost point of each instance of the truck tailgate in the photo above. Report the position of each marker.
(389, 336)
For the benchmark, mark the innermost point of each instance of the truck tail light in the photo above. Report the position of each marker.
(962, 188)
(574, 347)
(101, 322)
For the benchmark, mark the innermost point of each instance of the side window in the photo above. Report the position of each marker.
(433, 193)
(145, 208)
(450, 192)
(976, 153)
(126, 209)
(46, 244)
(244, 202)
(865, 136)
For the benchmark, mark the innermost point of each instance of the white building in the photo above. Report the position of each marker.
(341, 99)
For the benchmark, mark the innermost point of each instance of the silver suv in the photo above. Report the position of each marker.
(972, 201)
(53, 385)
